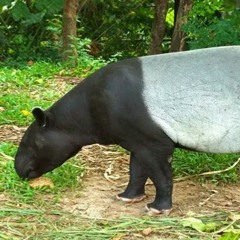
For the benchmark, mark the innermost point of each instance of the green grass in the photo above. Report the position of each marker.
(27, 87)
(24, 87)
(191, 163)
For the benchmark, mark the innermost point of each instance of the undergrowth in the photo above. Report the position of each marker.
(192, 163)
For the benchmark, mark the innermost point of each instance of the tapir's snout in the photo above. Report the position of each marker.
(27, 173)
(24, 167)
(24, 172)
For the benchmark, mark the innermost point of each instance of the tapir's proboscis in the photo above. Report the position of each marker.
(148, 105)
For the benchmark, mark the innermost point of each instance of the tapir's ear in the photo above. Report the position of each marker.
(40, 116)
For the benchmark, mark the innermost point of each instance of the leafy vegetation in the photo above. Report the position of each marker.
(29, 29)
(32, 30)
(211, 25)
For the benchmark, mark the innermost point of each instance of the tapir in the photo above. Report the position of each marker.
(148, 105)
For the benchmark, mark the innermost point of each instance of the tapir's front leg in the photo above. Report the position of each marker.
(138, 177)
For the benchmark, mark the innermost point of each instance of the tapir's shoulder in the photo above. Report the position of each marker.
(116, 76)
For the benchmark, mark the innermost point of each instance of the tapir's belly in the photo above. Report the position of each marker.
(196, 101)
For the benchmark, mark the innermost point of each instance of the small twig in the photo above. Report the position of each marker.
(223, 229)
(207, 173)
(207, 199)
(108, 173)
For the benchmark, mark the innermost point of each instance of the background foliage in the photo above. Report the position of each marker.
(31, 29)
(213, 23)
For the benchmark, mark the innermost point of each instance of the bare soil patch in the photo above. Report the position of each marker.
(11, 133)
(108, 175)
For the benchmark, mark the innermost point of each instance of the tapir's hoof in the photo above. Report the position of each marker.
(131, 200)
(154, 211)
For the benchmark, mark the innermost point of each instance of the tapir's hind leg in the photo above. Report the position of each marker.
(151, 161)
(160, 172)
(138, 177)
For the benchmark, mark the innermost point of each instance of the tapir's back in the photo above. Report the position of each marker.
(194, 97)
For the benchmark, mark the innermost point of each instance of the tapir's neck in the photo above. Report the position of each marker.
(73, 116)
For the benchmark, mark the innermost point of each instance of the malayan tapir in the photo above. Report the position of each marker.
(148, 105)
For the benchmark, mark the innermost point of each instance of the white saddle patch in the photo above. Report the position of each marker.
(194, 97)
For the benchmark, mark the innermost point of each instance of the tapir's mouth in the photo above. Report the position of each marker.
(33, 174)
(29, 173)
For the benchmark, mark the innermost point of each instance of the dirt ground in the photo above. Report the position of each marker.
(107, 175)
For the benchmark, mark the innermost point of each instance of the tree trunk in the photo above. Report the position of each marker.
(176, 7)
(178, 37)
(69, 30)
(159, 26)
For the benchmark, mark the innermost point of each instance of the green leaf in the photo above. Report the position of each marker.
(194, 223)
(211, 227)
(34, 18)
(230, 236)
(5, 3)
(20, 11)
(50, 7)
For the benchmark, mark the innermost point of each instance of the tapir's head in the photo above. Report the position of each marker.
(43, 147)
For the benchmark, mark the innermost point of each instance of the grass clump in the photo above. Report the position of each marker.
(60, 225)
(193, 163)
(26, 87)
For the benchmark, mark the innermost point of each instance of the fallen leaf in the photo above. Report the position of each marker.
(191, 213)
(147, 231)
(41, 182)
